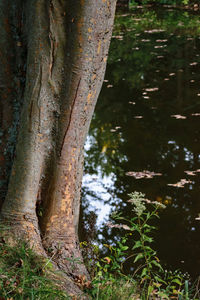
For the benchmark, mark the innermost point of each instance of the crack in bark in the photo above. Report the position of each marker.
(38, 98)
(70, 117)
(51, 39)
(52, 53)
(30, 115)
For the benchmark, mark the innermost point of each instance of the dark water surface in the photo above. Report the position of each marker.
(145, 134)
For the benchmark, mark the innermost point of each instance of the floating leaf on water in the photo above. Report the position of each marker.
(198, 218)
(193, 63)
(192, 173)
(161, 41)
(180, 184)
(160, 46)
(143, 174)
(152, 89)
(154, 30)
(138, 117)
(118, 37)
(178, 117)
(111, 225)
(109, 86)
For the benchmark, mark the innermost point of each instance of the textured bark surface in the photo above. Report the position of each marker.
(57, 64)
(90, 27)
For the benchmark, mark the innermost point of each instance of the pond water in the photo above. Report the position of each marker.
(145, 134)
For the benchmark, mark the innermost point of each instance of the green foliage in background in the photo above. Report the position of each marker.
(166, 2)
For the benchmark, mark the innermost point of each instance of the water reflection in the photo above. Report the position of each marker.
(147, 123)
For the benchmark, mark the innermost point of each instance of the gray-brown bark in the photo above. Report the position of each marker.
(67, 45)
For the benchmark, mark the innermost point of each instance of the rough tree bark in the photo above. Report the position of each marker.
(53, 56)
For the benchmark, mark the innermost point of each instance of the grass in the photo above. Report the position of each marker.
(121, 289)
(24, 275)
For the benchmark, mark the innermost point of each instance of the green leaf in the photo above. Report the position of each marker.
(160, 280)
(163, 295)
(138, 244)
(148, 215)
(176, 280)
(150, 289)
(155, 263)
(98, 264)
(148, 239)
(133, 219)
(139, 256)
(149, 250)
(135, 227)
(144, 272)
(147, 230)
(122, 247)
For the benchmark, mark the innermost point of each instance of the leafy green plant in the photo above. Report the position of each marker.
(149, 266)
(110, 266)
(149, 278)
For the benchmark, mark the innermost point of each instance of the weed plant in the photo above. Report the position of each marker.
(149, 280)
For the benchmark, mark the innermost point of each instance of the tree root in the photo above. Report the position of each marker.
(68, 268)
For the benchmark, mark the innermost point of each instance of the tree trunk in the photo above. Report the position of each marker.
(55, 53)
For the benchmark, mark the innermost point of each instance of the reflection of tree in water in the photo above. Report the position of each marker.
(145, 121)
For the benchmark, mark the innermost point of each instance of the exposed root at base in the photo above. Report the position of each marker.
(20, 228)
(68, 259)
(69, 271)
